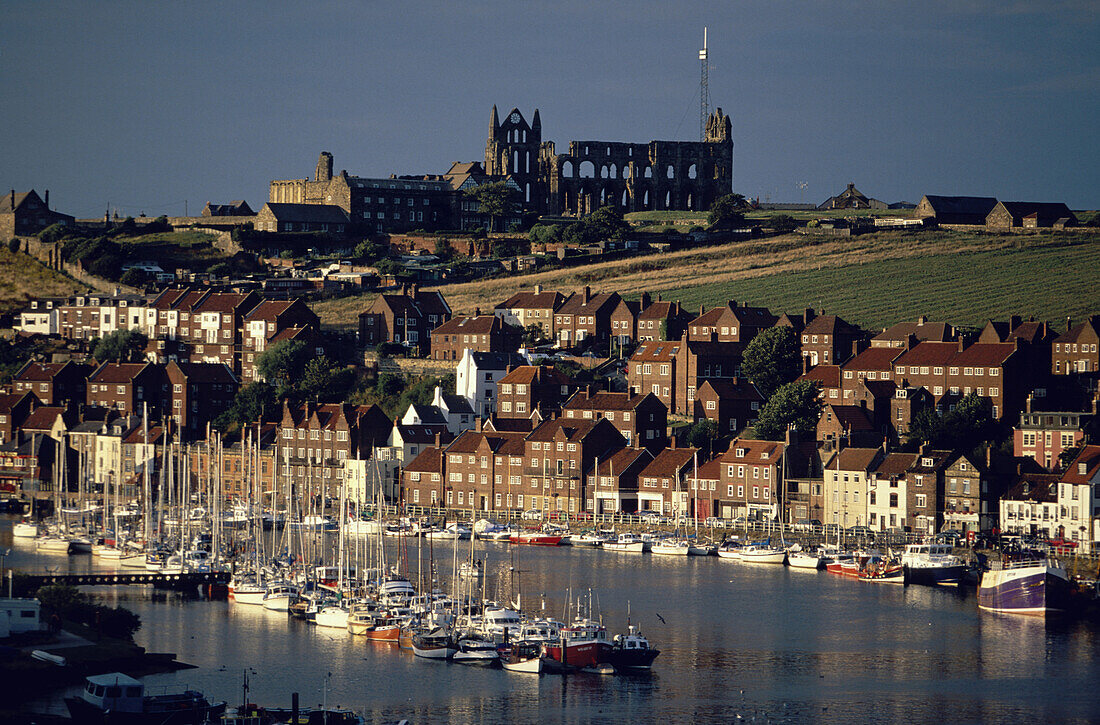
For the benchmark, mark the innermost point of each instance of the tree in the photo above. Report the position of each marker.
(969, 424)
(324, 380)
(702, 435)
(13, 245)
(120, 346)
(282, 363)
(370, 250)
(252, 403)
(772, 359)
(795, 404)
(606, 223)
(782, 223)
(496, 199)
(133, 277)
(726, 212)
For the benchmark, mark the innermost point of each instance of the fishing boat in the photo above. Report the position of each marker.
(524, 657)
(1034, 587)
(434, 645)
(670, 547)
(882, 571)
(933, 564)
(626, 542)
(631, 651)
(582, 644)
(119, 698)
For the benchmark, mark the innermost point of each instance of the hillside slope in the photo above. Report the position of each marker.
(871, 280)
(23, 277)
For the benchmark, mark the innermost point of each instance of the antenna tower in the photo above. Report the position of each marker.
(704, 91)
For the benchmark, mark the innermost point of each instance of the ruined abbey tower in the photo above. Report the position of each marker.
(679, 175)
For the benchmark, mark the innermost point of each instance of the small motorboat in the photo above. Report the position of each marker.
(279, 595)
(24, 529)
(119, 698)
(434, 645)
(671, 547)
(631, 651)
(475, 651)
(626, 542)
(524, 657)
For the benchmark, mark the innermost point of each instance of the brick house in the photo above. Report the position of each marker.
(1047, 430)
(526, 389)
(270, 322)
(613, 481)
(168, 316)
(828, 378)
(1076, 350)
(907, 334)
(731, 404)
(53, 383)
(697, 362)
(652, 369)
(661, 321)
(87, 317)
(874, 363)
(995, 370)
(482, 333)
(557, 454)
(200, 392)
(217, 326)
(663, 485)
(484, 470)
(967, 505)
(14, 409)
(532, 308)
(925, 501)
(828, 339)
(749, 473)
(422, 479)
(126, 387)
(732, 322)
(641, 418)
(406, 318)
(585, 316)
(852, 424)
(624, 321)
(903, 407)
(308, 336)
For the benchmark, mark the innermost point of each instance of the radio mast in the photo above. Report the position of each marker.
(704, 91)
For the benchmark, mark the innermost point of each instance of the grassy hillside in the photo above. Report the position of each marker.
(23, 277)
(872, 280)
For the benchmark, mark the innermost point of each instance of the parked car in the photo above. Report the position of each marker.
(649, 517)
(713, 522)
(532, 515)
(806, 525)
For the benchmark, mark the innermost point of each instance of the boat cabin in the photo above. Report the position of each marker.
(115, 692)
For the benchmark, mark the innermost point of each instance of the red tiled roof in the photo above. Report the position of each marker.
(874, 358)
(985, 354)
(754, 452)
(669, 462)
(42, 418)
(659, 351)
(619, 461)
(224, 301)
(895, 465)
(597, 303)
(482, 325)
(117, 372)
(827, 375)
(429, 461)
(854, 459)
(581, 400)
(269, 309)
(532, 301)
(1089, 457)
(528, 374)
(929, 353)
(39, 372)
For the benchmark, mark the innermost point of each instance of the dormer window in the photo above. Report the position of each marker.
(740, 452)
(1082, 469)
(926, 462)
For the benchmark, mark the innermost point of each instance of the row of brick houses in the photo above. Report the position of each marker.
(189, 324)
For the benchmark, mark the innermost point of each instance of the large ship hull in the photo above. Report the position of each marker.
(580, 655)
(1033, 590)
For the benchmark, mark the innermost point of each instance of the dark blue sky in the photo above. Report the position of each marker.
(144, 105)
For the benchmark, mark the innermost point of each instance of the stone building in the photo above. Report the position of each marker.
(27, 213)
(394, 204)
(685, 175)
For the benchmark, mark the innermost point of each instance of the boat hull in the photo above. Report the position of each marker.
(535, 539)
(632, 659)
(769, 557)
(805, 561)
(531, 666)
(579, 655)
(1033, 590)
(636, 547)
(936, 575)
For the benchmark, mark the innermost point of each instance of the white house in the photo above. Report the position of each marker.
(477, 375)
(1079, 501)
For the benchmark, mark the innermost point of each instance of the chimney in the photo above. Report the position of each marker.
(672, 442)
(439, 438)
(808, 315)
(658, 296)
(477, 424)
(805, 364)
(13, 199)
(46, 201)
(587, 294)
(988, 458)
(645, 301)
(701, 308)
(1027, 403)
(477, 312)
(1014, 322)
(415, 290)
(962, 344)
(538, 289)
(1069, 320)
(922, 320)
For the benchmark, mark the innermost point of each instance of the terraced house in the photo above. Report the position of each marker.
(641, 418)
(532, 308)
(481, 333)
(585, 316)
(407, 318)
(1076, 350)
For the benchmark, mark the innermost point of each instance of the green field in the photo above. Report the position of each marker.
(1049, 282)
(23, 278)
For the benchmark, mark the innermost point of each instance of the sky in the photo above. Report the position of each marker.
(159, 107)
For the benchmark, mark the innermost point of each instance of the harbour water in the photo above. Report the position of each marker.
(737, 641)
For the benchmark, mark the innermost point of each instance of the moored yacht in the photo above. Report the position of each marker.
(626, 542)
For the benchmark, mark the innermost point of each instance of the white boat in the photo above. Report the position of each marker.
(279, 595)
(475, 651)
(80, 545)
(626, 542)
(699, 548)
(588, 539)
(670, 547)
(523, 657)
(106, 553)
(247, 591)
(314, 522)
(52, 544)
(763, 554)
(451, 532)
(335, 616)
(798, 559)
(730, 550)
(435, 645)
(133, 559)
(363, 527)
(24, 530)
